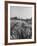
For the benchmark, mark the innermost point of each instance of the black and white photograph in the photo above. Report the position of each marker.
(20, 22)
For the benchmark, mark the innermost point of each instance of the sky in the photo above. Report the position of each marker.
(20, 12)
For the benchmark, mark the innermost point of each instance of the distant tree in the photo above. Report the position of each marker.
(15, 17)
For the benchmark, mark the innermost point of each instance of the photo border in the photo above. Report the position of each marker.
(6, 21)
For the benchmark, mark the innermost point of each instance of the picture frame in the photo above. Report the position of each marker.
(9, 40)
